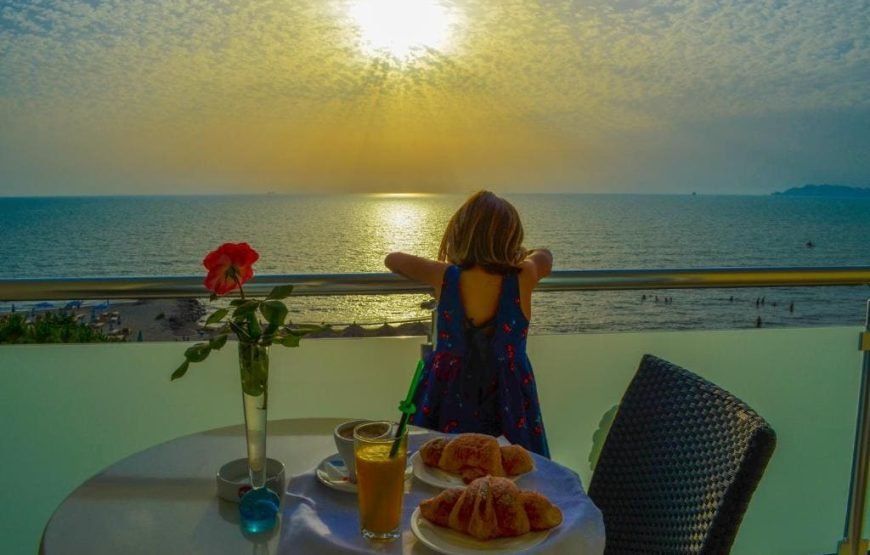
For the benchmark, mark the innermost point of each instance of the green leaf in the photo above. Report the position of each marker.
(290, 340)
(254, 328)
(275, 312)
(180, 371)
(216, 316)
(238, 302)
(280, 292)
(197, 353)
(246, 308)
(217, 342)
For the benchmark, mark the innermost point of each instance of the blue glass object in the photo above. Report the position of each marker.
(258, 510)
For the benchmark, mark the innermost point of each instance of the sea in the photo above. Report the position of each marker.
(65, 237)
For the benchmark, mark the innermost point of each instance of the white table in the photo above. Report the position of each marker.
(163, 499)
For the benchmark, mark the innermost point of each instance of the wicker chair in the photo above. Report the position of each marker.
(679, 465)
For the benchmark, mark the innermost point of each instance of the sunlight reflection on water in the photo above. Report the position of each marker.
(81, 237)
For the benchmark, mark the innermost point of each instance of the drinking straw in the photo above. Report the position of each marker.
(407, 407)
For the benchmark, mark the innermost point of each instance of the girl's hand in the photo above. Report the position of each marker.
(539, 263)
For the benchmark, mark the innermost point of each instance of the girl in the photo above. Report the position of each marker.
(479, 378)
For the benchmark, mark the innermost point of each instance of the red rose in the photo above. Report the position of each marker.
(229, 266)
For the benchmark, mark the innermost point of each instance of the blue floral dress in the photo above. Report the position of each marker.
(479, 379)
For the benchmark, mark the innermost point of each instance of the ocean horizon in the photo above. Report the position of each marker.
(160, 235)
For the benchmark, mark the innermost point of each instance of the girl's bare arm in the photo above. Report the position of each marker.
(417, 268)
(539, 263)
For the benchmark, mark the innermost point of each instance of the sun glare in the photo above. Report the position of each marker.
(402, 195)
(402, 29)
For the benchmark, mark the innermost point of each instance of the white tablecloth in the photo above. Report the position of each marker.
(317, 519)
(163, 500)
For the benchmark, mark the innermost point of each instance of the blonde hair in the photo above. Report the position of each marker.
(486, 231)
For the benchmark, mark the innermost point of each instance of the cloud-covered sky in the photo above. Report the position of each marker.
(194, 96)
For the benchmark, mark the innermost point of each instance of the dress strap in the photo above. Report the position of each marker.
(510, 293)
(450, 283)
(451, 314)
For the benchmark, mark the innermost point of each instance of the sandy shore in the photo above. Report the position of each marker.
(161, 319)
(145, 320)
(183, 319)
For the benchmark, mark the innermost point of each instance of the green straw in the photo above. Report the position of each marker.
(407, 407)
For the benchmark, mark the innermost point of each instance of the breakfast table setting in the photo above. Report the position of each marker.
(318, 517)
(166, 499)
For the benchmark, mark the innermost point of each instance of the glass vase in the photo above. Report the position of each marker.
(258, 508)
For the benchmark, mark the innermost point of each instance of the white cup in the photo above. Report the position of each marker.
(343, 435)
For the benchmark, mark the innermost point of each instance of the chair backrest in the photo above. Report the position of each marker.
(679, 464)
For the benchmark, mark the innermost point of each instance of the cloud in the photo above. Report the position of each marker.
(279, 92)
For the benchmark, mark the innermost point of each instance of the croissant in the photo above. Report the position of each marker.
(476, 455)
(491, 507)
(431, 451)
(516, 460)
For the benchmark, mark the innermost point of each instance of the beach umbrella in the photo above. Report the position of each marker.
(73, 304)
(44, 305)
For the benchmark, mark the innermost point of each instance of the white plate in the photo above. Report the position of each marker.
(333, 473)
(440, 479)
(451, 542)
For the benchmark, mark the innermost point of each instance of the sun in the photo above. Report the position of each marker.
(402, 29)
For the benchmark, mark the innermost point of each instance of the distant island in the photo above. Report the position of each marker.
(839, 191)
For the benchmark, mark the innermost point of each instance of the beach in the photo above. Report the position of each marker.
(184, 320)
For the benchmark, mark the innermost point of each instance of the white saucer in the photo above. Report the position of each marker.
(233, 479)
(333, 474)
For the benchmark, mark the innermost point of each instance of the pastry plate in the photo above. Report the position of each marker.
(451, 542)
(440, 479)
(333, 474)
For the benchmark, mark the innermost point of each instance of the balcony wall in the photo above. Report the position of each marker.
(70, 410)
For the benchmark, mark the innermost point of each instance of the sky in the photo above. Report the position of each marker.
(243, 96)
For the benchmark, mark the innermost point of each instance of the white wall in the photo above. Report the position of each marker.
(70, 410)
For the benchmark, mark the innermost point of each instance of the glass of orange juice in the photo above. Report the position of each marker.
(380, 479)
